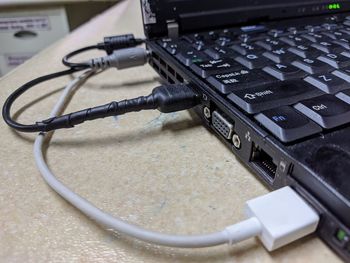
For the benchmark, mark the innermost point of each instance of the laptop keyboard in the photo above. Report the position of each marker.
(293, 81)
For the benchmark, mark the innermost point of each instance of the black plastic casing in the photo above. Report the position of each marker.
(197, 15)
(318, 168)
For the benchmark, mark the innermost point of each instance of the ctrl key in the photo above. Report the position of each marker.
(326, 110)
(287, 124)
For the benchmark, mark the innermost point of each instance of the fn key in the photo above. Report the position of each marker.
(287, 124)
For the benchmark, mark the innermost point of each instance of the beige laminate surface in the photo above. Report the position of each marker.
(163, 172)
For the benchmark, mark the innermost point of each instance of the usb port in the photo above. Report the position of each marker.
(264, 161)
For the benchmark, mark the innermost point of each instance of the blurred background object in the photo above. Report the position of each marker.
(27, 27)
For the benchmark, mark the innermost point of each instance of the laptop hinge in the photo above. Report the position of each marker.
(173, 29)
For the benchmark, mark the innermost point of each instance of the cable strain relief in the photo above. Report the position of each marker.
(101, 46)
(112, 43)
(243, 230)
(100, 63)
(121, 59)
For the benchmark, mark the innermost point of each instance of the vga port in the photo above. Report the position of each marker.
(222, 125)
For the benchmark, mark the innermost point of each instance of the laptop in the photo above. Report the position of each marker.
(274, 82)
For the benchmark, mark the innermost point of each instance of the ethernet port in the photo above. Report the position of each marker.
(264, 161)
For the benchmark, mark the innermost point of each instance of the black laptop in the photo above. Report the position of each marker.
(274, 82)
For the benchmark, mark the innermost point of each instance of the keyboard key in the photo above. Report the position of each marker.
(190, 56)
(260, 98)
(244, 38)
(212, 35)
(344, 96)
(253, 61)
(327, 47)
(311, 66)
(253, 29)
(270, 44)
(224, 41)
(245, 48)
(327, 82)
(239, 79)
(193, 38)
(345, 30)
(327, 110)
(305, 51)
(294, 40)
(315, 37)
(336, 61)
(344, 43)
(217, 52)
(330, 26)
(313, 29)
(172, 47)
(334, 34)
(199, 45)
(276, 32)
(287, 124)
(284, 72)
(293, 30)
(280, 55)
(210, 67)
(343, 73)
(164, 42)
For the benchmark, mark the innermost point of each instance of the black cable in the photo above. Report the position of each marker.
(168, 98)
(109, 44)
(66, 58)
(6, 110)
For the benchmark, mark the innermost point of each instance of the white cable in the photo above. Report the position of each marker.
(258, 223)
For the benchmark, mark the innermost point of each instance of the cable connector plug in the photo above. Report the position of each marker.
(283, 216)
(112, 43)
(167, 98)
(121, 59)
(176, 97)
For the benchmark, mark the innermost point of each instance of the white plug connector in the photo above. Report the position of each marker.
(284, 217)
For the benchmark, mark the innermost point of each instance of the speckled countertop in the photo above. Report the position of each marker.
(163, 172)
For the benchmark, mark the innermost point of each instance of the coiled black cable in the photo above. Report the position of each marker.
(6, 110)
(167, 98)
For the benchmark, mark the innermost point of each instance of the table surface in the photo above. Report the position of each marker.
(164, 172)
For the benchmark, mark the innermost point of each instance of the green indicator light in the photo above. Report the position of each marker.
(341, 235)
(334, 6)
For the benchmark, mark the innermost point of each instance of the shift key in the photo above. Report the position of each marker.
(260, 98)
(209, 67)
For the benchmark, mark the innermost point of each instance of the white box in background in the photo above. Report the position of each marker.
(26, 32)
